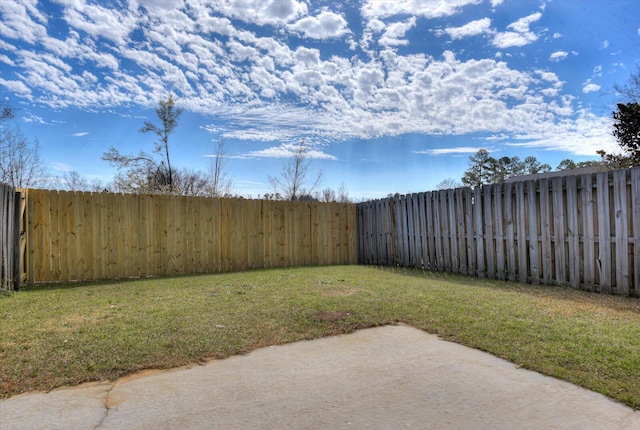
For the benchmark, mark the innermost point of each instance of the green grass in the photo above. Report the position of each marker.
(68, 334)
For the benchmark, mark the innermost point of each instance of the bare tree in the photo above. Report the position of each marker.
(220, 183)
(631, 90)
(343, 194)
(291, 183)
(145, 173)
(73, 181)
(6, 111)
(328, 195)
(189, 182)
(20, 162)
(448, 184)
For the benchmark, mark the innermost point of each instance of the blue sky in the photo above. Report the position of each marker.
(392, 95)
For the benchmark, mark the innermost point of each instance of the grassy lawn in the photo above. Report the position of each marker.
(67, 334)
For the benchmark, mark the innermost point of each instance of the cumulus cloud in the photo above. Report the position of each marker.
(395, 33)
(426, 8)
(590, 88)
(327, 25)
(521, 34)
(259, 87)
(558, 56)
(262, 11)
(473, 28)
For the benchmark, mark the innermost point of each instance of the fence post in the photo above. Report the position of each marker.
(17, 232)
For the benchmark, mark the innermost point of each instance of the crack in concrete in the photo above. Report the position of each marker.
(107, 407)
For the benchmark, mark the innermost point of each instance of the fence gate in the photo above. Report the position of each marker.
(10, 219)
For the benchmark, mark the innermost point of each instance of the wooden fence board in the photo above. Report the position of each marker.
(578, 231)
(479, 232)
(588, 233)
(468, 221)
(621, 232)
(635, 211)
(510, 235)
(604, 233)
(558, 236)
(533, 207)
(573, 242)
(489, 238)
(498, 223)
(545, 232)
(520, 221)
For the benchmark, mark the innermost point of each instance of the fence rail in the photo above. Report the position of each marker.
(582, 231)
(86, 236)
(9, 239)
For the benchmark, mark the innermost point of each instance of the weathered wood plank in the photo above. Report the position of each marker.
(558, 236)
(479, 231)
(469, 231)
(509, 231)
(520, 221)
(453, 232)
(604, 233)
(545, 232)
(533, 207)
(573, 238)
(489, 243)
(462, 265)
(498, 224)
(588, 228)
(635, 211)
(621, 232)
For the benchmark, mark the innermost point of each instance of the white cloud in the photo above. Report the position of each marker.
(287, 151)
(522, 25)
(590, 88)
(558, 56)
(16, 86)
(447, 151)
(262, 11)
(61, 167)
(520, 36)
(557, 35)
(261, 89)
(597, 71)
(327, 25)
(100, 22)
(424, 8)
(604, 44)
(22, 20)
(80, 134)
(495, 3)
(582, 136)
(395, 33)
(473, 28)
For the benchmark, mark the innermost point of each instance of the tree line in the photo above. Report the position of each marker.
(21, 164)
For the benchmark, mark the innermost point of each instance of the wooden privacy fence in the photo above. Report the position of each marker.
(85, 236)
(582, 231)
(9, 238)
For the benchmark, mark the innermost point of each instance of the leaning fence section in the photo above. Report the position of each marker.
(582, 231)
(9, 239)
(86, 236)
